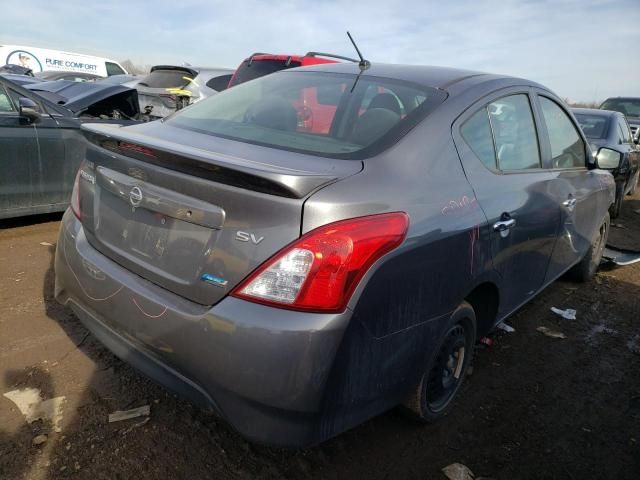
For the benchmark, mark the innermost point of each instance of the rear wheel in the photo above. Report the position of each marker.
(588, 266)
(446, 369)
(614, 210)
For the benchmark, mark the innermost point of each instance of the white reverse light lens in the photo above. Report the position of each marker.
(282, 281)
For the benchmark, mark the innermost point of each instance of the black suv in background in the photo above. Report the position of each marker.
(629, 107)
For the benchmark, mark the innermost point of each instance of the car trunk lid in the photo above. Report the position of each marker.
(185, 213)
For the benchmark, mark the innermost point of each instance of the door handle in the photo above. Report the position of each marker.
(504, 225)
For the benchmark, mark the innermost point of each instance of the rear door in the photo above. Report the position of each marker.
(574, 188)
(499, 147)
(18, 158)
(51, 175)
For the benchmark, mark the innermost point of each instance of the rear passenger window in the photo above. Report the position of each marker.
(514, 132)
(567, 148)
(626, 132)
(5, 102)
(477, 133)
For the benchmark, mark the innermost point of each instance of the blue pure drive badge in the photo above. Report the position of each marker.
(207, 277)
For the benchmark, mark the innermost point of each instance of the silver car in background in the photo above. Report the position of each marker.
(168, 88)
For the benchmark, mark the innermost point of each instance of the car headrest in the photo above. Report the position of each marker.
(385, 100)
(274, 113)
(372, 124)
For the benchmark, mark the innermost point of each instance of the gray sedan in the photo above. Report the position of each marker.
(309, 249)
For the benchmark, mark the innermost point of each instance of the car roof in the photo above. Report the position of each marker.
(311, 58)
(191, 68)
(596, 111)
(622, 98)
(20, 79)
(63, 72)
(429, 76)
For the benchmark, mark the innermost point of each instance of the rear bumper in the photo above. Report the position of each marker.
(263, 369)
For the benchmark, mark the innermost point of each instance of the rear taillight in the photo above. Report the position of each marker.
(320, 271)
(75, 195)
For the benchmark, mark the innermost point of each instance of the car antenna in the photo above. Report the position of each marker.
(363, 64)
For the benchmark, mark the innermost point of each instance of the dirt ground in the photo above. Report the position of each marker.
(535, 407)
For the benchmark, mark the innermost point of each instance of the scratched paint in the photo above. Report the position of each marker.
(454, 205)
(95, 299)
(147, 314)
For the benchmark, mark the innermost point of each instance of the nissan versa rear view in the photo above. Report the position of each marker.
(306, 250)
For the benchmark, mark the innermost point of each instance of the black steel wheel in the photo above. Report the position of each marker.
(446, 368)
(446, 374)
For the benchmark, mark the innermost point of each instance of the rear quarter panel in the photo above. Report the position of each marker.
(403, 301)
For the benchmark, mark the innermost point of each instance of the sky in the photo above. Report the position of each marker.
(584, 50)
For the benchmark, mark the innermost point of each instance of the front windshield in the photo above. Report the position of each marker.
(335, 115)
(593, 126)
(627, 106)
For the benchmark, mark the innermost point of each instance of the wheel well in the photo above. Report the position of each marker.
(485, 300)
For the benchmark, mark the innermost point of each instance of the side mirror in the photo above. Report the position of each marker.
(608, 159)
(29, 109)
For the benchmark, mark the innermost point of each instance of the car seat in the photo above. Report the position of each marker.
(273, 113)
(386, 100)
(372, 124)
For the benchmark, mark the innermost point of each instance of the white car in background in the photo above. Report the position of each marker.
(44, 60)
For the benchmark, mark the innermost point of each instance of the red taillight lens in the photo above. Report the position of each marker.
(320, 271)
(75, 195)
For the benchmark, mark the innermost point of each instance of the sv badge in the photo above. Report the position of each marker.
(248, 237)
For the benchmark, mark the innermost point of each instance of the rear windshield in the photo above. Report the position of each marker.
(333, 115)
(167, 79)
(249, 70)
(593, 126)
(628, 106)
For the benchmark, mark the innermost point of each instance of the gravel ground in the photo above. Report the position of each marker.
(535, 407)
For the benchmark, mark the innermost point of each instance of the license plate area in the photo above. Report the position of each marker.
(154, 230)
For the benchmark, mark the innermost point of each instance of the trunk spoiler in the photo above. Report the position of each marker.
(220, 167)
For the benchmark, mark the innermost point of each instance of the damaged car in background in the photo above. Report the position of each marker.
(168, 88)
(41, 145)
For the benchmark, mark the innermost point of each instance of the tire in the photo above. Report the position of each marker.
(433, 397)
(634, 184)
(588, 266)
(614, 210)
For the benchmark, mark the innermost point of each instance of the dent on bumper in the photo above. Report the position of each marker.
(263, 369)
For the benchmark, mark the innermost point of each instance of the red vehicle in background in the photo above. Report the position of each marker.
(315, 109)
